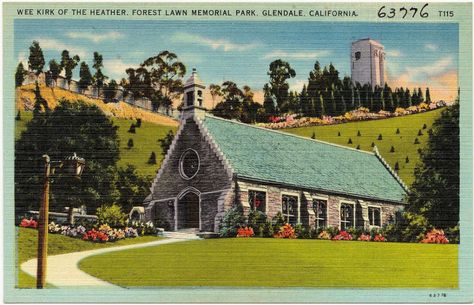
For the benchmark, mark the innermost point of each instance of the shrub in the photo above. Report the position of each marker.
(285, 231)
(397, 167)
(324, 235)
(139, 123)
(343, 235)
(416, 141)
(424, 126)
(350, 141)
(420, 133)
(379, 137)
(430, 132)
(379, 238)
(419, 150)
(18, 116)
(268, 229)
(261, 230)
(453, 234)
(407, 160)
(161, 221)
(398, 131)
(435, 237)
(111, 215)
(132, 129)
(313, 136)
(333, 231)
(355, 232)
(278, 222)
(233, 220)
(255, 219)
(364, 237)
(358, 133)
(392, 149)
(245, 232)
(299, 230)
(338, 133)
(130, 143)
(373, 144)
(358, 147)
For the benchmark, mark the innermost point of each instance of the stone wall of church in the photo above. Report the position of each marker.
(307, 217)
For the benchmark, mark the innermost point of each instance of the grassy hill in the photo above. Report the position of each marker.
(154, 126)
(403, 142)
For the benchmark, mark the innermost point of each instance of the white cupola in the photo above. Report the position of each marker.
(193, 97)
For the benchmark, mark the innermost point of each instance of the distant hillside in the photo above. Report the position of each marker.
(25, 98)
(403, 142)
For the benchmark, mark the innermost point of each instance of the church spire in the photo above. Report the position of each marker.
(193, 97)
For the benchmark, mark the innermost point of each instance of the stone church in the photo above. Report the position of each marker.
(214, 164)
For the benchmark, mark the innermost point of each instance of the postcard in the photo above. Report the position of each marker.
(237, 152)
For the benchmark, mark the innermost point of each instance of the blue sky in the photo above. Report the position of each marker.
(417, 54)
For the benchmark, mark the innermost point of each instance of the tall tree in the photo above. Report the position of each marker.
(435, 192)
(41, 105)
(36, 58)
(70, 127)
(110, 91)
(54, 70)
(85, 77)
(279, 72)
(20, 75)
(166, 74)
(215, 92)
(165, 143)
(427, 95)
(99, 77)
(68, 64)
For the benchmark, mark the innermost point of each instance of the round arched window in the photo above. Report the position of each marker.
(189, 164)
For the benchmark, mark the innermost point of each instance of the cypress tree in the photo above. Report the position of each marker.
(379, 137)
(397, 168)
(20, 75)
(152, 159)
(36, 58)
(392, 149)
(350, 141)
(398, 131)
(358, 133)
(427, 95)
(132, 128)
(130, 143)
(407, 160)
(313, 136)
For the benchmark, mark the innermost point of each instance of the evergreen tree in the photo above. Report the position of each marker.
(435, 192)
(36, 58)
(420, 96)
(68, 64)
(305, 103)
(99, 77)
(85, 77)
(350, 141)
(380, 137)
(407, 160)
(165, 143)
(392, 149)
(397, 167)
(313, 136)
(427, 95)
(132, 129)
(416, 141)
(41, 105)
(130, 143)
(358, 146)
(18, 116)
(279, 72)
(54, 70)
(152, 159)
(20, 75)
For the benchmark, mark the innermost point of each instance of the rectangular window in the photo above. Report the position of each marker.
(257, 200)
(374, 216)
(289, 209)
(347, 216)
(320, 211)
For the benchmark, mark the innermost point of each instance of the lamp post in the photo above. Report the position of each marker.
(72, 166)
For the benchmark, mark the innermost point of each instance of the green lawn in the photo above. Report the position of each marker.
(145, 141)
(403, 143)
(280, 263)
(27, 245)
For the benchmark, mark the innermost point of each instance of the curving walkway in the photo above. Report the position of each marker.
(63, 270)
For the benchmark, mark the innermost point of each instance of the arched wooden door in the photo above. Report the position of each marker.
(188, 211)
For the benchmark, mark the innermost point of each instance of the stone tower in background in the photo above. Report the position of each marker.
(367, 62)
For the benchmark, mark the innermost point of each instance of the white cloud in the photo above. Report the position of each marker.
(215, 44)
(297, 55)
(23, 59)
(56, 45)
(298, 85)
(393, 53)
(115, 68)
(431, 47)
(96, 37)
(423, 73)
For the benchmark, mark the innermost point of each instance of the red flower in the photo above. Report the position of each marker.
(245, 232)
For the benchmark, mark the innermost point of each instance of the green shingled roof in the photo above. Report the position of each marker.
(267, 155)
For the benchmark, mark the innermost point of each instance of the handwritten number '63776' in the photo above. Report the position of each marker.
(410, 12)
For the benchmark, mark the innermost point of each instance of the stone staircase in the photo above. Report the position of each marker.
(182, 234)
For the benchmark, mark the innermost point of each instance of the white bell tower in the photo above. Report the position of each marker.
(193, 97)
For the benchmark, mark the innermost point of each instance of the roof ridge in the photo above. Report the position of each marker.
(389, 168)
(290, 134)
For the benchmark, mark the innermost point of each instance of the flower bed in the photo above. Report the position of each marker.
(245, 232)
(343, 235)
(286, 231)
(103, 233)
(360, 114)
(435, 237)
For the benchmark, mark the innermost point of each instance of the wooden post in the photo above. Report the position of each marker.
(43, 228)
